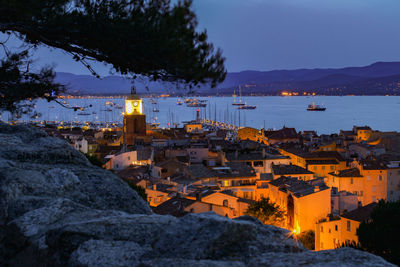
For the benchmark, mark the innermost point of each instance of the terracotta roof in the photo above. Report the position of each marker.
(322, 162)
(353, 172)
(282, 169)
(297, 187)
(174, 206)
(372, 164)
(361, 214)
(284, 133)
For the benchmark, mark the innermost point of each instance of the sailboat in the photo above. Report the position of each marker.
(240, 99)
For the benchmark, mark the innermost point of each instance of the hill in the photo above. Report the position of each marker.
(379, 78)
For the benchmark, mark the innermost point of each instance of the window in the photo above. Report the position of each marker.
(258, 163)
(332, 168)
(336, 228)
(368, 178)
(323, 168)
(315, 168)
(322, 229)
(129, 158)
(361, 193)
(225, 203)
(380, 178)
(373, 198)
(348, 226)
(329, 231)
(351, 180)
(374, 189)
(322, 245)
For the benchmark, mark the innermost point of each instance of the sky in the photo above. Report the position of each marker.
(286, 34)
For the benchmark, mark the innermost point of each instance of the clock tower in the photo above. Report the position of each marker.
(134, 119)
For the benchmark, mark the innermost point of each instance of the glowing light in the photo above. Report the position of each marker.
(128, 107)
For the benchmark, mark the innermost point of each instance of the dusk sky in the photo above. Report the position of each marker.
(288, 34)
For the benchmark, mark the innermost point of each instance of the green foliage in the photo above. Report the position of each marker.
(151, 38)
(307, 238)
(94, 160)
(381, 234)
(267, 212)
(17, 83)
(140, 190)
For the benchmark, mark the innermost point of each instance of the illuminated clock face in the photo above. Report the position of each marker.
(135, 104)
(129, 108)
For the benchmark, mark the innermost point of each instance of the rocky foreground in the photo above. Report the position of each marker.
(56, 209)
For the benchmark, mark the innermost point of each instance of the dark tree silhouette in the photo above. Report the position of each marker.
(380, 235)
(267, 212)
(149, 38)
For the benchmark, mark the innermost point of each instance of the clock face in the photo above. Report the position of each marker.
(129, 108)
(135, 104)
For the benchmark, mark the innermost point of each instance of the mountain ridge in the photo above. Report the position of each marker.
(268, 82)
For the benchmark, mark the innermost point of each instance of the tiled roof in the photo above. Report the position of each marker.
(253, 155)
(353, 172)
(298, 188)
(322, 161)
(282, 169)
(174, 206)
(373, 164)
(284, 133)
(361, 214)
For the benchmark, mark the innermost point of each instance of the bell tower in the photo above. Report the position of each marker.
(134, 119)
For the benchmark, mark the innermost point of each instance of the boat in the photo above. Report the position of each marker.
(314, 107)
(240, 99)
(83, 113)
(196, 105)
(179, 102)
(156, 110)
(244, 106)
(107, 109)
(152, 101)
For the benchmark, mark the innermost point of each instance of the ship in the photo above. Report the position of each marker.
(197, 105)
(244, 106)
(156, 110)
(179, 102)
(314, 107)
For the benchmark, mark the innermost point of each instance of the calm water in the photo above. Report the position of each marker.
(379, 112)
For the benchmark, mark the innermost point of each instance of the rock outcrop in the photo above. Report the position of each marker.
(56, 209)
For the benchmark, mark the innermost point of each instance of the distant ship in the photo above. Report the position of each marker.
(179, 102)
(156, 110)
(314, 107)
(244, 106)
(196, 105)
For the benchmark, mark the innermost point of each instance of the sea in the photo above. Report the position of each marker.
(272, 112)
